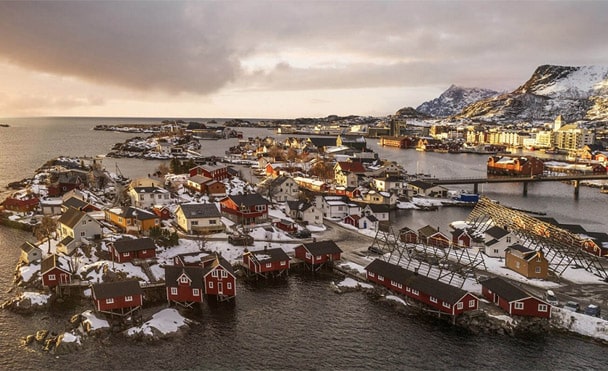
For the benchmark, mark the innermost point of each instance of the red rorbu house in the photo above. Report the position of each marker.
(513, 300)
(184, 284)
(245, 209)
(127, 249)
(432, 237)
(55, 271)
(408, 235)
(266, 263)
(218, 277)
(440, 296)
(118, 298)
(352, 220)
(316, 254)
(285, 225)
(461, 238)
(215, 172)
(22, 205)
(596, 243)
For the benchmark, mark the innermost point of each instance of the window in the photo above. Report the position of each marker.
(83, 233)
(447, 305)
(371, 274)
(110, 301)
(194, 222)
(393, 283)
(519, 306)
(537, 269)
(173, 290)
(214, 274)
(212, 221)
(283, 262)
(508, 239)
(128, 298)
(415, 292)
(407, 289)
(268, 265)
(319, 257)
(52, 277)
(183, 279)
(125, 254)
(210, 284)
(495, 251)
(224, 274)
(433, 299)
(542, 307)
(308, 256)
(380, 278)
(516, 264)
(195, 292)
(471, 303)
(84, 222)
(260, 208)
(229, 285)
(459, 305)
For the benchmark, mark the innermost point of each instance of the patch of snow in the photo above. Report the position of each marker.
(166, 321)
(35, 298)
(68, 337)
(94, 322)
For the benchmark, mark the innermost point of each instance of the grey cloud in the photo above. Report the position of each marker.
(197, 46)
(34, 104)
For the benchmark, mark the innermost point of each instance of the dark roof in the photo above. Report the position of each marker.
(496, 232)
(377, 208)
(371, 218)
(421, 184)
(504, 289)
(548, 220)
(116, 289)
(322, 247)
(139, 214)
(279, 180)
(50, 262)
(270, 255)
(28, 247)
(323, 141)
(130, 244)
(573, 228)
(192, 211)
(522, 249)
(458, 232)
(427, 231)
(150, 190)
(444, 292)
(71, 217)
(174, 272)
(248, 200)
(598, 237)
(75, 202)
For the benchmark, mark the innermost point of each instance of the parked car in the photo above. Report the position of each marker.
(302, 233)
(593, 310)
(572, 306)
(375, 249)
(551, 298)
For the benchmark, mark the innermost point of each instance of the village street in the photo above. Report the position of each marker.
(354, 245)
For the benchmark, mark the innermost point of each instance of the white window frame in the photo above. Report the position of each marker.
(471, 303)
(268, 265)
(415, 292)
(371, 274)
(380, 278)
(214, 274)
(173, 290)
(519, 305)
(210, 284)
(224, 274)
(183, 279)
(537, 269)
(195, 292)
(110, 301)
(128, 298)
(229, 285)
(460, 305)
(543, 307)
(52, 277)
(433, 299)
(446, 305)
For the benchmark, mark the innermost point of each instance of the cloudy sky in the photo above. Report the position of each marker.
(278, 59)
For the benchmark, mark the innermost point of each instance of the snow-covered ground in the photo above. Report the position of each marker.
(164, 322)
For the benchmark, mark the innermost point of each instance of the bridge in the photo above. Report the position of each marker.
(575, 179)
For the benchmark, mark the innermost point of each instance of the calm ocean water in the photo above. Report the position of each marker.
(300, 324)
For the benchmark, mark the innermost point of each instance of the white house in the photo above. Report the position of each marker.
(199, 217)
(497, 240)
(76, 227)
(380, 212)
(283, 188)
(146, 197)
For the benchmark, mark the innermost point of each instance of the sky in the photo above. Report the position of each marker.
(278, 59)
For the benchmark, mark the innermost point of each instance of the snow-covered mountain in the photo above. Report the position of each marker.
(577, 93)
(453, 100)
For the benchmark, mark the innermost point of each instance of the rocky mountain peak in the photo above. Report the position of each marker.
(453, 100)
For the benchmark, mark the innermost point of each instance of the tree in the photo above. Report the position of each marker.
(46, 229)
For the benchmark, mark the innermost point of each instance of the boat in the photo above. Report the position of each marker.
(4, 125)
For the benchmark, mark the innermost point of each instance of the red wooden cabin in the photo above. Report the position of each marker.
(54, 271)
(266, 262)
(126, 250)
(317, 253)
(514, 300)
(120, 297)
(440, 296)
(184, 284)
(218, 277)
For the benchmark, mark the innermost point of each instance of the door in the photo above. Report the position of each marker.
(63, 278)
(220, 288)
